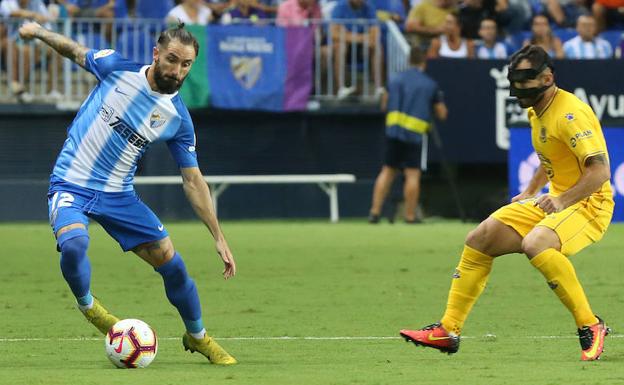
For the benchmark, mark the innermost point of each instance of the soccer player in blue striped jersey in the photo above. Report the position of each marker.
(131, 107)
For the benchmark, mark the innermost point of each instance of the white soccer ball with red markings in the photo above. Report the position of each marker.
(131, 343)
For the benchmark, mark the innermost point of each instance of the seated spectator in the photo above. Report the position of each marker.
(512, 16)
(31, 10)
(390, 10)
(298, 12)
(243, 11)
(219, 7)
(426, 21)
(587, 45)
(269, 7)
(450, 44)
(471, 12)
(565, 12)
(490, 48)
(100, 9)
(608, 13)
(363, 36)
(152, 9)
(103, 9)
(542, 35)
(190, 12)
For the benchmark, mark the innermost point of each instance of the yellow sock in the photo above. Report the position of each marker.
(468, 284)
(561, 277)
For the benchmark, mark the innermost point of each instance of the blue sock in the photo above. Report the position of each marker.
(75, 264)
(182, 293)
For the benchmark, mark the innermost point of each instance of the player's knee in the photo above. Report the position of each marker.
(536, 242)
(174, 271)
(478, 238)
(74, 243)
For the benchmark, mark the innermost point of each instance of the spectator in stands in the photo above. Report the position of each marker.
(512, 16)
(363, 33)
(190, 12)
(565, 12)
(542, 35)
(103, 9)
(489, 47)
(451, 44)
(608, 13)
(243, 11)
(426, 21)
(412, 100)
(152, 9)
(587, 45)
(298, 12)
(269, 7)
(219, 7)
(34, 10)
(390, 10)
(100, 9)
(471, 12)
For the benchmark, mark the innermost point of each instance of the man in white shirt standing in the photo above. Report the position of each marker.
(587, 45)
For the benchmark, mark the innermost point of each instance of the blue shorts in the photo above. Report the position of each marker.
(122, 214)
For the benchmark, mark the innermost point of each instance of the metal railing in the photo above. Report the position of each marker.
(398, 49)
(349, 58)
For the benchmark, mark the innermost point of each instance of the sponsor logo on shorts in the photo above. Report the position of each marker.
(161, 227)
(456, 274)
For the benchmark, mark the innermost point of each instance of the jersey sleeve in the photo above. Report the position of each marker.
(438, 94)
(182, 145)
(582, 134)
(102, 62)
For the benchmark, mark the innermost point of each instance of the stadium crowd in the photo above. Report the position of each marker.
(483, 29)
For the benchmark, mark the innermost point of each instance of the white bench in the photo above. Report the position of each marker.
(327, 182)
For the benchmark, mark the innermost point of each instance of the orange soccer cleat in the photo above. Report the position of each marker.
(592, 340)
(433, 336)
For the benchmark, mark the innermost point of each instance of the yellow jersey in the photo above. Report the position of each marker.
(564, 136)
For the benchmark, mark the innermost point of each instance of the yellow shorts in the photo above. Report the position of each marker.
(578, 226)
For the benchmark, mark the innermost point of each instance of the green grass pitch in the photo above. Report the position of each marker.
(310, 281)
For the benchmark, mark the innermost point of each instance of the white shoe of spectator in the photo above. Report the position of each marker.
(20, 93)
(54, 96)
(379, 91)
(345, 92)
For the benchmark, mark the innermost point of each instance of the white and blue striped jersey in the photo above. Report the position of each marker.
(498, 51)
(116, 124)
(577, 48)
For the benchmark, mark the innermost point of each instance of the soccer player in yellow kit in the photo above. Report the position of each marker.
(550, 228)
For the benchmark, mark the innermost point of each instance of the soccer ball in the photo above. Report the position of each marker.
(131, 343)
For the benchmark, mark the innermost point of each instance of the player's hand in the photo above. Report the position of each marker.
(549, 204)
(29, 30)
(228, 259)
(523, 195)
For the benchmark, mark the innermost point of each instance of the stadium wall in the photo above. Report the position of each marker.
(324, 141)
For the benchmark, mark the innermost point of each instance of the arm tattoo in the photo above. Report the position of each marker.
(65, 46)
(596, 159)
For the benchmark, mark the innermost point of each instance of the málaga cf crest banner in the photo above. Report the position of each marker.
(260, 67)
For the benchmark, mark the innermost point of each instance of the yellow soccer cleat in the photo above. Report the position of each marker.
(209, 348)
(100, 317)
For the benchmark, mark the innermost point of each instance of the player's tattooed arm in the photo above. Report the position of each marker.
(595, 173)
(61, 44)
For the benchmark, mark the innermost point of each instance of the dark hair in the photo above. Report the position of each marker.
(417, 56)
(534, 54)
(178, 33)
(493, 20)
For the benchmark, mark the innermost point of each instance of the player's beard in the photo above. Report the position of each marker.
(166, 84)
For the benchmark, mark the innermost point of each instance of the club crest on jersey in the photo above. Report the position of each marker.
(246, 70)
(156, 119)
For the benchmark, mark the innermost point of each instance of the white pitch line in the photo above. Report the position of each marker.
(308, 338)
